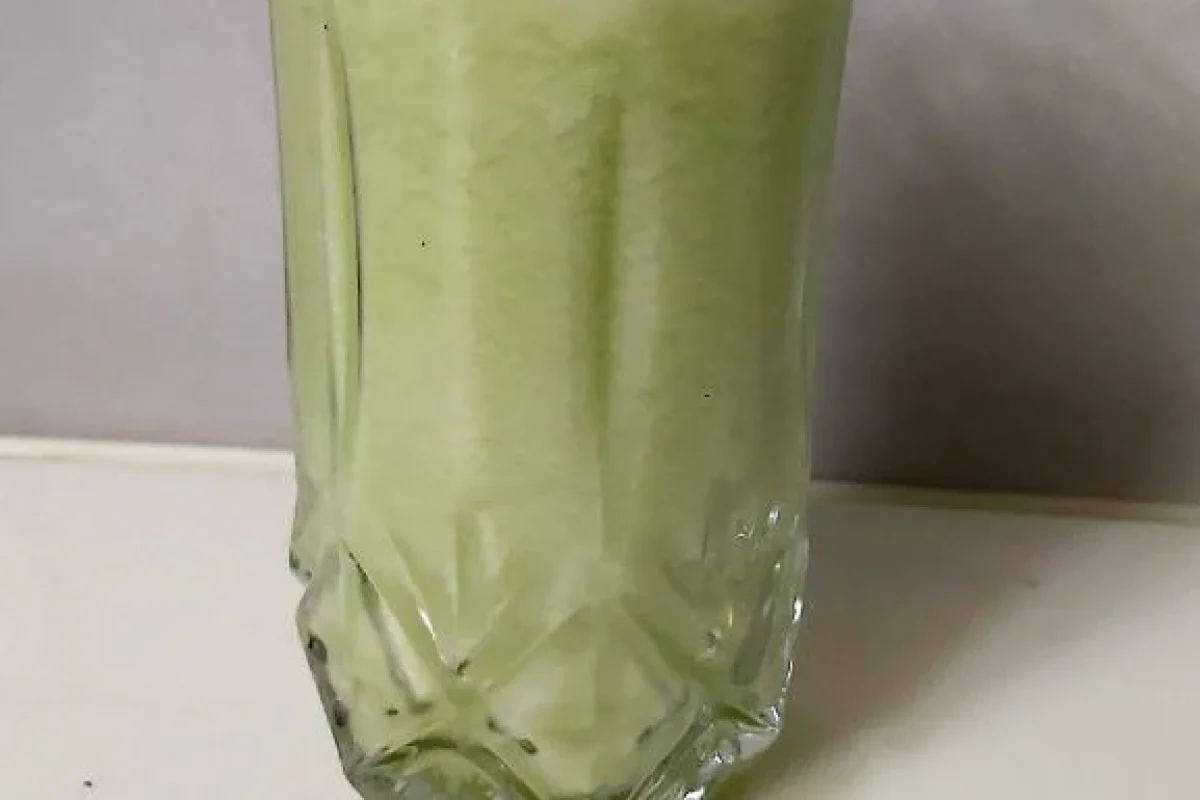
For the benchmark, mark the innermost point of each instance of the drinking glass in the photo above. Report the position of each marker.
(549, 284)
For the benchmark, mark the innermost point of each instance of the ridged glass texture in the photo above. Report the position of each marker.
(548, 272)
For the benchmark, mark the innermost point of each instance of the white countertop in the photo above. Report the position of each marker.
(146, 646)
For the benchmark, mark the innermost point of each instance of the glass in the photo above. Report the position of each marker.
(550, 337)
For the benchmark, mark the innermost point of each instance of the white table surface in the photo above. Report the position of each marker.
(146, 647)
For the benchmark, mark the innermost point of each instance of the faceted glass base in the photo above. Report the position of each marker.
(440, 770)
(602, 699)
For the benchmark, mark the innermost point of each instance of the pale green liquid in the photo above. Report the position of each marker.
(547, 265)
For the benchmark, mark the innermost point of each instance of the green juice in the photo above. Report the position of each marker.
(550, 328)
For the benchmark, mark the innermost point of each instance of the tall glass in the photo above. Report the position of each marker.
(549, 271)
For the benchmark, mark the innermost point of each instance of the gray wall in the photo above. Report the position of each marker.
(1013, 303)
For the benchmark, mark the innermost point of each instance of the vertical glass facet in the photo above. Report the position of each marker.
(550, 335)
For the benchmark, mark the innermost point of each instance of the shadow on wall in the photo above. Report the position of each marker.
(1015, 299)
(1015, 305)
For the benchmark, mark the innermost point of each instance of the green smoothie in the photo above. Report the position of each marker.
(549, 334)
